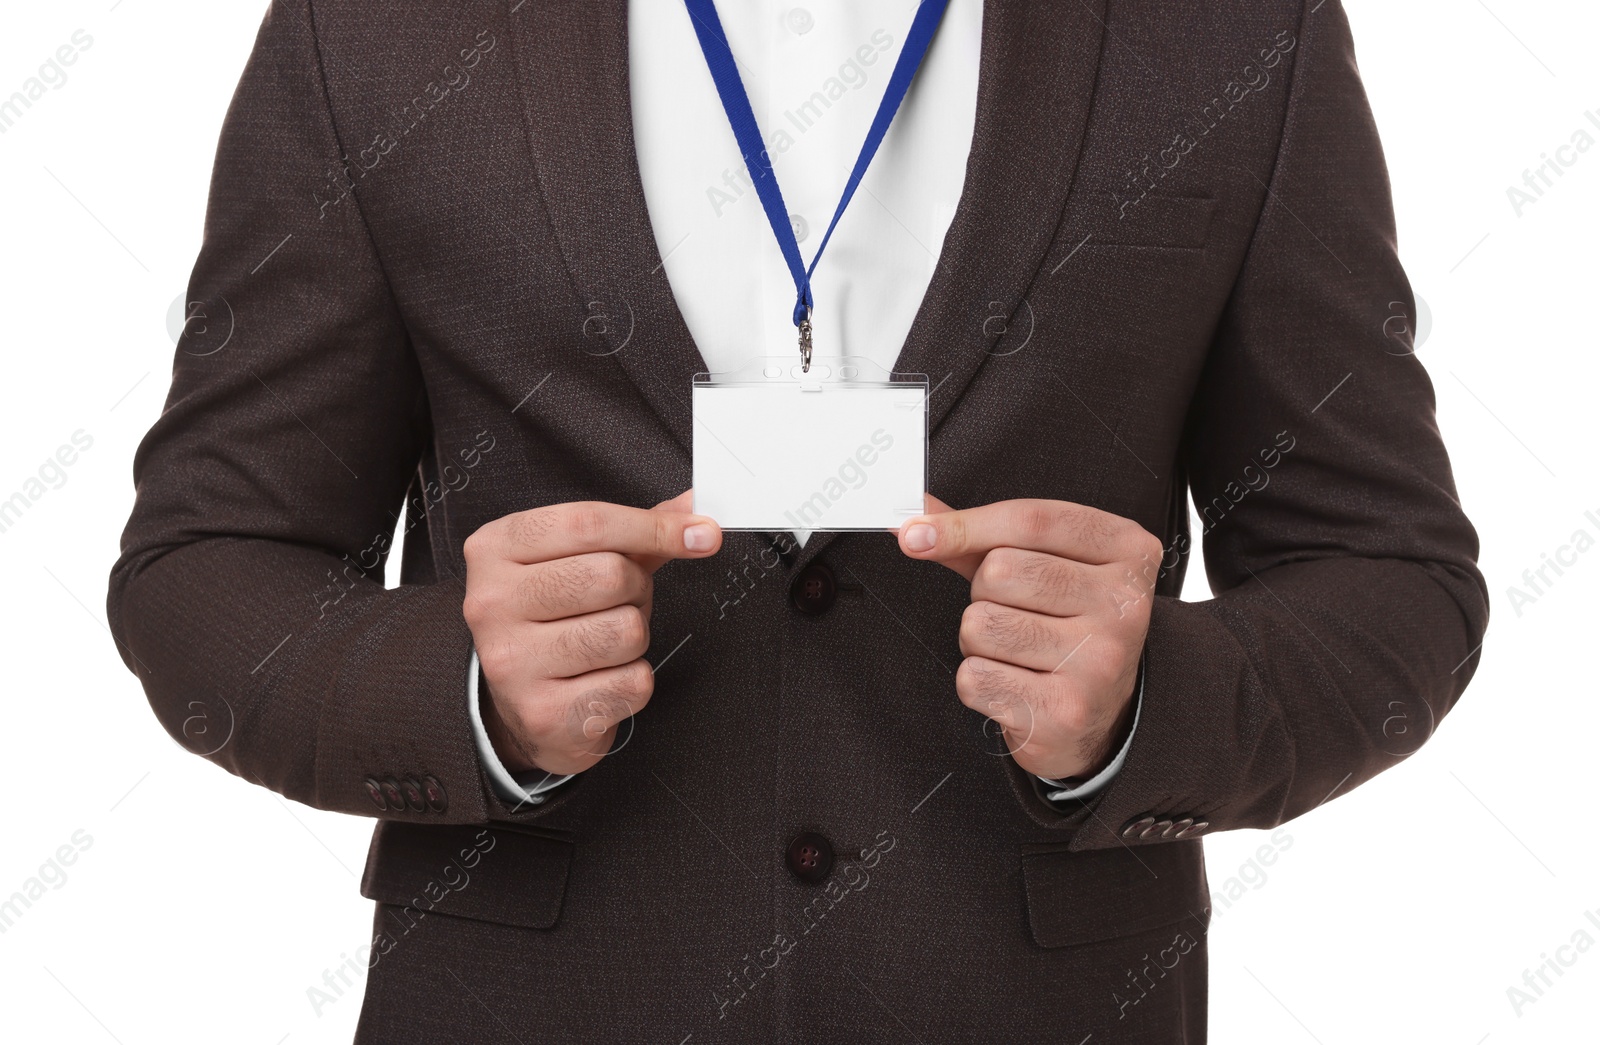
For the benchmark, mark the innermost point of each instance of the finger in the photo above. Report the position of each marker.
(562, 530)
(683, 503)
(1008, 695)
(1043, 583)
(1044, 725)
(964, 565)
(567, 725)
(1022, 638)
(1072, 531)
(598, 700)
(577, 645)
(579, 584)
(573, 722)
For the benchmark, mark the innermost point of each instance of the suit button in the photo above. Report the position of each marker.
(813, 590)
(392, 793)
(1196, 828)
(413, 793)
(433, 794)
(810, 857)
(375, 792)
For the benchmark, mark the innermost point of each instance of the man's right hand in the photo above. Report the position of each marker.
(558, 600)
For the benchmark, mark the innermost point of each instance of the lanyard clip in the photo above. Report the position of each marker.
(805, 343)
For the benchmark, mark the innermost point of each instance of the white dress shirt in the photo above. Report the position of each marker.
(815, 75)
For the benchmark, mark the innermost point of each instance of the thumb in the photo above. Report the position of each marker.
(684, 502)
(966, 565)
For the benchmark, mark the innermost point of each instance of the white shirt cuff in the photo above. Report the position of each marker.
(523, 788)
(1091, 787)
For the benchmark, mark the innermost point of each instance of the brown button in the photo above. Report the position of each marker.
(810, 857)
(413, 793)
(375, 792)
(433, 794)
(814, 590)
(392, 792)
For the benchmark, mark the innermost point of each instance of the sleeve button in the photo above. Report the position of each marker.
(433, 794)
(1158, 829)
(413, 793)
(1133, 829)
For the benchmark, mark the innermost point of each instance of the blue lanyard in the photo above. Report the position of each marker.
(719, 59)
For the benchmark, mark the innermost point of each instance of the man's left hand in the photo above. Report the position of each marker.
(1060, 608)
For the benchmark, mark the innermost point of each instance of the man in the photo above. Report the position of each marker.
(945, 785)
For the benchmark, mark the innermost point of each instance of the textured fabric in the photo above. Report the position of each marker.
(1169, 271)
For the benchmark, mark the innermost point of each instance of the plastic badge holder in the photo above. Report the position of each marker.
(844, 447)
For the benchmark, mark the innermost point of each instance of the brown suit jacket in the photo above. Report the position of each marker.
(1172, 271)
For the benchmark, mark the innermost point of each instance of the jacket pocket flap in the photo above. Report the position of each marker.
(492, 874)
(1078, 898)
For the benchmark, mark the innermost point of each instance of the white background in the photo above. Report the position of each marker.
(206, 907)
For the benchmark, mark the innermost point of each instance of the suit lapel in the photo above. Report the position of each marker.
(1035, 87)
(572, 65)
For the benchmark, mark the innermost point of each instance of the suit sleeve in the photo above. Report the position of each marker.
(248, 598)
(1349, 609)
